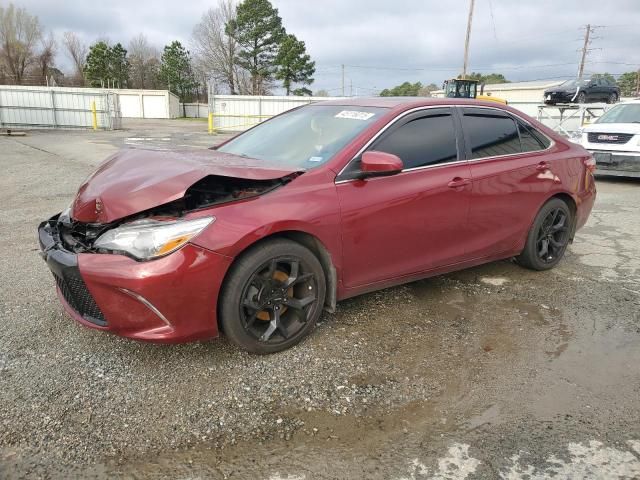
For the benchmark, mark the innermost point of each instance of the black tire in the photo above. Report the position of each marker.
(581, 98)
(264, 281)
(548, 237)
(613, 98)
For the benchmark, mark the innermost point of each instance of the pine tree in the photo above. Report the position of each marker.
(107, 66)
(258, 31)
(176, 72)
(96, 69)
(294, 65)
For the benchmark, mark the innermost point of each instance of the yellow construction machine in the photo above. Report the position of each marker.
(467, 88)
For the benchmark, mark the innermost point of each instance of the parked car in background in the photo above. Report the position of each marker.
(598, 89)
(614, 140)
(321, 203)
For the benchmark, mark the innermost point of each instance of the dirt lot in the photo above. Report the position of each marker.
(491, 372)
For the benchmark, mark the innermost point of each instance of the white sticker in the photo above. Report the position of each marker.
(315, 159)
(355, 115)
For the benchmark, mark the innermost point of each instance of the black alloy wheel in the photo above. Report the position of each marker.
(272, 297)
(548, 236)
(277, 300)
(582, 97)
(553, 235)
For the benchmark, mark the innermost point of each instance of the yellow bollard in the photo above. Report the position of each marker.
(94, 115)
(211, 127)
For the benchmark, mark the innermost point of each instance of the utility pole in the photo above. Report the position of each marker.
(351, 87)
(343, 79)
(587, 33)
(466, 41)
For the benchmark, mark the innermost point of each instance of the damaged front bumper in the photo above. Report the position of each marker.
(170, 299)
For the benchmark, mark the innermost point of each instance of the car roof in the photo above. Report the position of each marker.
(405, 103)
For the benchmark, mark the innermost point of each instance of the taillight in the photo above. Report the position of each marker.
(590, 163)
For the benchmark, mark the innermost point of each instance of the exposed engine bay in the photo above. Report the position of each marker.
(209, 191)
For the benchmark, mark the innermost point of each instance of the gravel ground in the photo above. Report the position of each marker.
(493, 371)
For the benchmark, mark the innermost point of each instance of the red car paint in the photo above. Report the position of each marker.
(378, 232)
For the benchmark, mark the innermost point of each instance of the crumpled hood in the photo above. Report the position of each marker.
(136, 180)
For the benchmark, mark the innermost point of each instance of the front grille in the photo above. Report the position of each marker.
(77, 295)
(615, 138)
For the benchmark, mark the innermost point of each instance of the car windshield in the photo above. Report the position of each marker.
(626, 113)
(305, 137)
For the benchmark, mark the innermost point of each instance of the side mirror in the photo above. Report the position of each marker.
(376, 164)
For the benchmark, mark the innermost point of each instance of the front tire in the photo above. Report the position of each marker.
(582, 98)
(548, 237)
(273, 296)
(613, 98)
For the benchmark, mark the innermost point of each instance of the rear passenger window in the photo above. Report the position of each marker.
(531, 139)
(491, 135)
(422, 141)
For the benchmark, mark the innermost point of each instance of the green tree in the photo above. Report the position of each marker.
(628, 83)
(406, 89)
(119, 66)
(489, 79)
(176, 72)
(96, 68)
(294, 65)
(258, 31)
(107, 65)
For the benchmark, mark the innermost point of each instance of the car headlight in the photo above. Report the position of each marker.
(146, 239)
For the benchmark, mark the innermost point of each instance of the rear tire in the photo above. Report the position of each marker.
(582, 97)
(613, 98)
(548, 237)
(272, 297)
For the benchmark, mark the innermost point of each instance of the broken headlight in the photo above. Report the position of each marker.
(149, 238)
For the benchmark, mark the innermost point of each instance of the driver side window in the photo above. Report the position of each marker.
(420, 140)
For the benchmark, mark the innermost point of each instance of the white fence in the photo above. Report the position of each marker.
(239, 112)
(57, 107)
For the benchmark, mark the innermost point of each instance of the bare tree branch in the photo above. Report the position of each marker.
(46, 57)
(145, 62)
(19, 33)
(215, 51)
(77, 51)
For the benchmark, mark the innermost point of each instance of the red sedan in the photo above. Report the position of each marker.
(257, 236)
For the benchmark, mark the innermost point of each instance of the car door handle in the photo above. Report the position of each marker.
(542, 166)
(458, 182)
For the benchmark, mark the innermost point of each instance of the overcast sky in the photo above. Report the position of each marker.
(396, 40)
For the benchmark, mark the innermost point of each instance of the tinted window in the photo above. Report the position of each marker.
(421, 141)
(491, 135)
(530, 140)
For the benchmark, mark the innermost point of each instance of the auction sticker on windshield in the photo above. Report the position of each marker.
(355, 115)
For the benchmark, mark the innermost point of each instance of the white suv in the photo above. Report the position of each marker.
(614, 140)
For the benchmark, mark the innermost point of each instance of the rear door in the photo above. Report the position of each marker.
(415, 220)
(510, 178)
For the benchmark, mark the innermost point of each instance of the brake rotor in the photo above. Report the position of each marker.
(281, 277)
